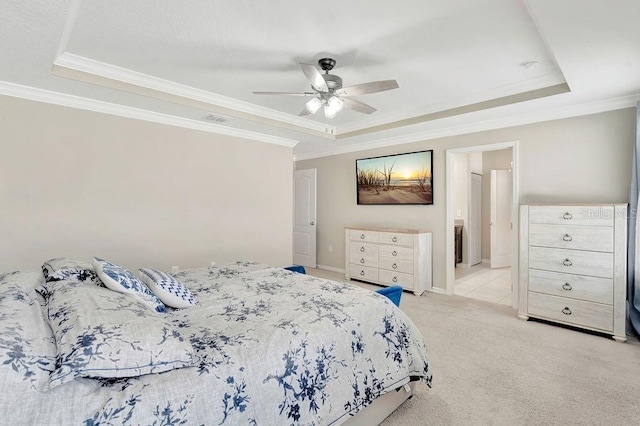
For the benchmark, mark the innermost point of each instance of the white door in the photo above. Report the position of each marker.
(304, 217)
(501, 221)
(475, 220)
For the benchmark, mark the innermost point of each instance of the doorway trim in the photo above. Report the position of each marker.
(449, 220)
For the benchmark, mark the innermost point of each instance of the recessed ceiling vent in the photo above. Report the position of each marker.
(215, 118)
(530, 65)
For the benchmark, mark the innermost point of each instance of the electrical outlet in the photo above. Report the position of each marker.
(213, 263)
(330, 248)
(175, 269)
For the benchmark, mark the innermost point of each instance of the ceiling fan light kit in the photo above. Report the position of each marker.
(329, 112)
(328, 91)
(314, 105)
(332, 106)
(335, 103)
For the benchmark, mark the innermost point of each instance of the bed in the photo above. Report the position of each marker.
(259, 346)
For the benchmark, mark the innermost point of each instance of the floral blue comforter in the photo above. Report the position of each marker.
(262, 346)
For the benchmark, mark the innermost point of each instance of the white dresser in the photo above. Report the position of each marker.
(389, 257)
(573, 265)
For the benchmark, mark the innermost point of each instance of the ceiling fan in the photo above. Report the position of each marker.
(328, 91)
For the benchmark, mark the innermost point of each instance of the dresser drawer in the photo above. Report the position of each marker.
(595, 238)
(572, 215)
(399, 253)
(363, 273)
(570, 311)
(395, 278)
(357, 248)
(392, 264)
(363, 259)
(363, 236)
(581, 287)
(396, 239)
(579, 262)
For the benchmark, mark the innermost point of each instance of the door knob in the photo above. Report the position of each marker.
(312, 223)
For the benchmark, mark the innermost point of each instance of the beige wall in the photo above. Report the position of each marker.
(583, 159)
(461, 184)
(77, 184)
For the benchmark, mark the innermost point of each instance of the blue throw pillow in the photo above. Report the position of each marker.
(394, 293)
(119, 279)
(168, 289)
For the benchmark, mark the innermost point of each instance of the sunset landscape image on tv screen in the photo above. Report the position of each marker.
(396, 179)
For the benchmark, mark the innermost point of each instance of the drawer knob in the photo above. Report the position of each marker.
(567, 262)
(362, 260)
(362, 236)
(567, 237)
(394, 266)
(394, 239)
(362, 273)
(395, 279)
(567, 286)
(567, 216)
(362, 249)
(394, 253)
(566, 310)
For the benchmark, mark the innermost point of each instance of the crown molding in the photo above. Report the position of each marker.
(71, 101)
(525, 86)
(57, 98)
(96, 72)
(94, 68)
(569, 111)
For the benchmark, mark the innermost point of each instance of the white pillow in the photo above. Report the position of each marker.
(62, 268)
(171, 291)
(99, 333)
(118, 279)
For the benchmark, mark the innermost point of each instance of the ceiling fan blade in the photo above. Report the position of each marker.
(304, 112)
(366, 88)
(358, 106)
(285, 93)
(314, 77)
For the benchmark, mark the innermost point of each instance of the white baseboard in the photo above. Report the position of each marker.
(438, 290)
(331, 268)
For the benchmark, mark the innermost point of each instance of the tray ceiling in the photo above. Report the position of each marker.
(459, 64)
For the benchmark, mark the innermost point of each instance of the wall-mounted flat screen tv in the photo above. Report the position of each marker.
(396, 179)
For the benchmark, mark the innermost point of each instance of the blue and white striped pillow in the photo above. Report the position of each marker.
(119, 279)
(168, 289)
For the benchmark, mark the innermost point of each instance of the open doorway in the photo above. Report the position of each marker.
(482, 203)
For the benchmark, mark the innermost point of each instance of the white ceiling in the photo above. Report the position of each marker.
(457, 62)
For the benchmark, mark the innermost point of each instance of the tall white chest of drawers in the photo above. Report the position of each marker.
(573, 265)
(389, 257)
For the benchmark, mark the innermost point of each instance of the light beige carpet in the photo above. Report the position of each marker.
(490, 368)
